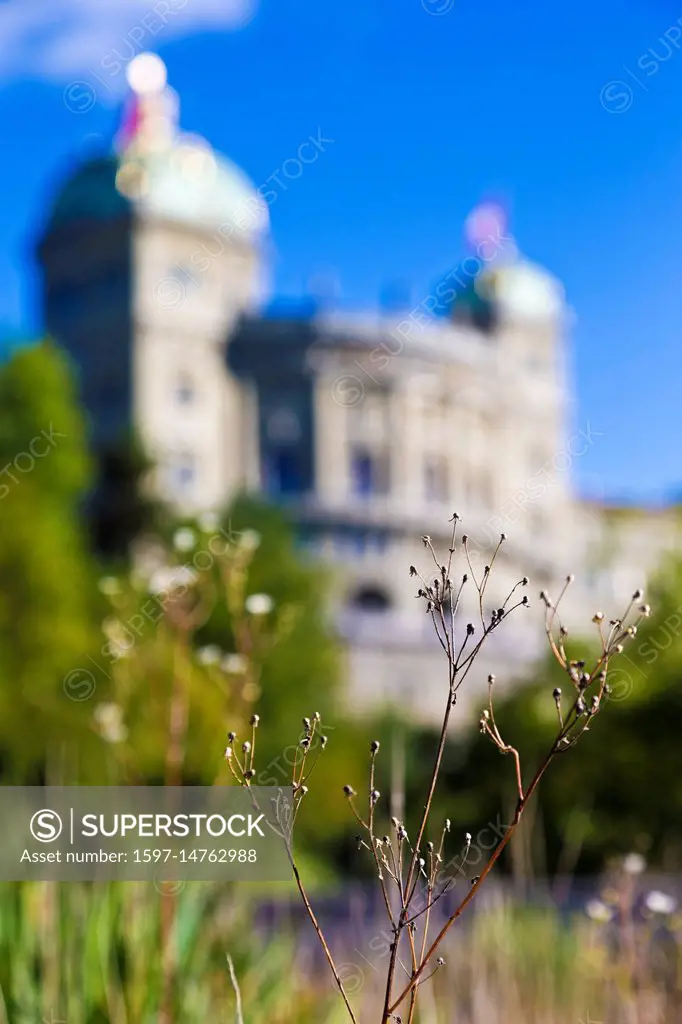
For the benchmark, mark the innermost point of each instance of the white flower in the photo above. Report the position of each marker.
(234, 664)
(660, 903)
(249, 540)
(109, 586)
(259, 604)
(209, 655)
(634, 864)
(123, 639)
(598, 911)
(208, 522)
(184, 539)
(109, 719)
(168, 578)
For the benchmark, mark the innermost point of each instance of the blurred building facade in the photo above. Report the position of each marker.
(370, 430)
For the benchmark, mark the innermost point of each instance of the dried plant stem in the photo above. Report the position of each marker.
(425, 817)
(323, 941)
(397, 861)
(523, 800)
(239, 1014)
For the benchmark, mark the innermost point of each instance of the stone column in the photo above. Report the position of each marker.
(331, 440)
(407, 446)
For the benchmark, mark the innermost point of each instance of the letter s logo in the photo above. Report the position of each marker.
(46, 826)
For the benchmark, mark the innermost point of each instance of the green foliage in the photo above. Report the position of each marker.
(283, 665)
(90, 954)
(45, 576)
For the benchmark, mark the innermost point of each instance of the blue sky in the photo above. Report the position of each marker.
(429, 112)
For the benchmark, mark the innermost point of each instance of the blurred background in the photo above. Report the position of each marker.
(283, 287)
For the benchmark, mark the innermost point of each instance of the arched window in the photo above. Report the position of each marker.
(371, 598)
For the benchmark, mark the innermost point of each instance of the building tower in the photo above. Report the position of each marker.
(149, 256)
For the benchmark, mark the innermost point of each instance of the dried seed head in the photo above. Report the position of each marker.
(598, 617)
(374, 795)
(349, 791)
(580, 706)
(503, 536)
(374, 746)
(638, 595)
(491, 679)
(306, 724)
(570, 578)
(645, 610)
(246, 747)
(395, 823)
(447, 824)
(249, 774)
(440, 961)
(470, 629)
(255, 719)
(557, 693)
(304, 790)
(305, 742)
(228, 752)
(426, 540)
(402, 832)
(232, 736)
(323, 742)
(524, 581)
(413, 570)
(618, 648)
(524, 601)
(429, 847)
(317, 716)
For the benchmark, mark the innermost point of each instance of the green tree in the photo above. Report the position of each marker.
(46, 582)
(121, 507)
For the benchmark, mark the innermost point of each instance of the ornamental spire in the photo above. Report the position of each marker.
(151, 116)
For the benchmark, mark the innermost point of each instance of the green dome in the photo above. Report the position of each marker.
(90, 193)
(187, 184)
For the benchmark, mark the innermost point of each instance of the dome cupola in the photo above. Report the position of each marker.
(160, 172)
